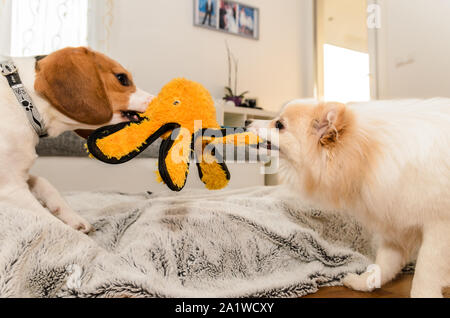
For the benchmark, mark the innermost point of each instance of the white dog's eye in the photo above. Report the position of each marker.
(279, 125)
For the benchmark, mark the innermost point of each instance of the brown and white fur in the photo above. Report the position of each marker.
(387, 163)
(73, 88)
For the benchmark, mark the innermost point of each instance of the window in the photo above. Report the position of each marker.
(34, 27)
(346, 74)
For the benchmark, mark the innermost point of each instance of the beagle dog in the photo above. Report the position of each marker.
(70, 89)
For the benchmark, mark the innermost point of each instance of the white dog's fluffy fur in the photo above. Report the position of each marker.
(385, 162)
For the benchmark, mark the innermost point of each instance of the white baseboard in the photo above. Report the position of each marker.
(138, 175)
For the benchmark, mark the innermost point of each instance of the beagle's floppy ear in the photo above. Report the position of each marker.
(84, 133)
(331, 123)
(70, 81)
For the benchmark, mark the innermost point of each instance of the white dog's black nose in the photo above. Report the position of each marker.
(248, 122)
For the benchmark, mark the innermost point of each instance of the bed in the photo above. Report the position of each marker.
(257, 242)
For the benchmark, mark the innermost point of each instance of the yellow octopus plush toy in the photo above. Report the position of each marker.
(184, 116)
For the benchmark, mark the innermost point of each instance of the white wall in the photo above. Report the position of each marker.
(414, 49)
(157, 41)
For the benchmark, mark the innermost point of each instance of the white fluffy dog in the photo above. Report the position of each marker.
(388, 164)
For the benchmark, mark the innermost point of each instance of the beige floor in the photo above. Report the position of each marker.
(399, 288)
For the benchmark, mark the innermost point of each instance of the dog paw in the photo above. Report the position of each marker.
(86, 227)
(358, 282)
(79, 224)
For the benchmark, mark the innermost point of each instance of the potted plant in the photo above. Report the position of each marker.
(231, 90)
(238, 100)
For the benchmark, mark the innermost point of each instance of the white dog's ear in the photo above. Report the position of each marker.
(330, 124)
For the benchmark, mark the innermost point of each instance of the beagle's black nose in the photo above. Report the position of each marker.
(248, 122)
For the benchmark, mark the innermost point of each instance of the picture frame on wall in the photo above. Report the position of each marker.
(227, 16)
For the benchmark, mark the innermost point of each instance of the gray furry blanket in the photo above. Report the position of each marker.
(254, 243)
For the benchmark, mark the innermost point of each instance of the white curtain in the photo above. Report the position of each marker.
(5, 27)
(35, 27)
(43, 26)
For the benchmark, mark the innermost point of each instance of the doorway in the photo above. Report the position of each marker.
(345, 59)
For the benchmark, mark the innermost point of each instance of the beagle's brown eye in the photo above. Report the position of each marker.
(176, 103)
(123, 79)
(279, 125)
